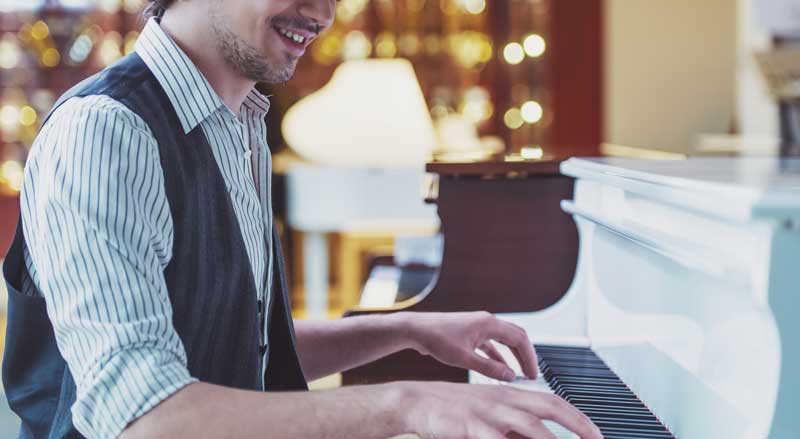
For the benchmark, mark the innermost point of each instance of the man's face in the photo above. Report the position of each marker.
(264, 39)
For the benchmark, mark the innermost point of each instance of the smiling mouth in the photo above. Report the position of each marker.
(293, 37)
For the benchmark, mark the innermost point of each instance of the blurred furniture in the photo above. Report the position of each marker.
(507, 247)
(364, 145)
(371, 114)
(325, 199)
(361, 247)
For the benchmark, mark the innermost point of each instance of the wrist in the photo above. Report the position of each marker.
(406, 326)
(397, 403)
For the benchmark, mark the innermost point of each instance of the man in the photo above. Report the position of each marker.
(147, 296)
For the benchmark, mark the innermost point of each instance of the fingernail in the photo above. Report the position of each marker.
(509, 375)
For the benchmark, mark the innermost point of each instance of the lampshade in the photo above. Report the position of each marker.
(371, 113)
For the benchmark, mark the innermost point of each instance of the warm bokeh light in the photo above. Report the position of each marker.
(9, 52)
(50, 57)
(474, 6)
(133, 6)
(385, 45)
(328, 49)
(110, 49)
(513, 53)
(347, 10)
(40, 30)
(27, 116)
(9, 116)
(477, 105)
(513, 118)
(409, 44)
(356, 46)
(109, 6)
(532, 153)
(534, 45)
(532, 112)
(470, 49)
(130, 42)
(11, 176)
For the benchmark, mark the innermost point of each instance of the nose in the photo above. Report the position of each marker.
(320, 11)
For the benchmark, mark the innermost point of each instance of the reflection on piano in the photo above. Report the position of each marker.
(681, 317)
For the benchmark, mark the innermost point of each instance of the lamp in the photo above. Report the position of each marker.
(372, 113)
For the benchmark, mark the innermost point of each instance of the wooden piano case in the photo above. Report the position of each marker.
(508, 247)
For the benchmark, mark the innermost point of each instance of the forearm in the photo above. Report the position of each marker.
(327, 347)
(206, 410)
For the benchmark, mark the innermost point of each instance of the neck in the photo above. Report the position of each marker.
(181, 23)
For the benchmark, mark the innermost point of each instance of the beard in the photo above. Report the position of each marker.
(245, 59)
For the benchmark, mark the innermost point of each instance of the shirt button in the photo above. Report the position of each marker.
(248, 154)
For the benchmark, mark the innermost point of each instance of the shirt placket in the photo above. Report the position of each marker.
(262, 171)
(250, 148)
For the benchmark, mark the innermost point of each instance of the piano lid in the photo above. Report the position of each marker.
(733, 189)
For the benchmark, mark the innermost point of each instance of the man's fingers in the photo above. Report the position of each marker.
(491, 368)
(489, 349)
(520, 424)
(517, 340)
(554, 408)
(527, 360)
(538, 430)
(481, 431)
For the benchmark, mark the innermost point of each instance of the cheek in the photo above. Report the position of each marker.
(248, 19)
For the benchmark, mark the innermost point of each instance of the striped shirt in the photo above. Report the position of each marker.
(99, 233)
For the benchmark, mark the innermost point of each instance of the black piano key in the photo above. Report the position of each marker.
(617, 411)
(602, 414)
(578, 375)
(600, 390)
(580, 381)
(616, 396)
(620, 396)
(605, 402)
(634, 433)
(623, 424)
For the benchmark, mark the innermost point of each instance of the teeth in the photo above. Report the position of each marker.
(292, 36)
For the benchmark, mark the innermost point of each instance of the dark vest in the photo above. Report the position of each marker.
(209, 278)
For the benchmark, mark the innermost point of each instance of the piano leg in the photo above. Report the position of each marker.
(315, 274)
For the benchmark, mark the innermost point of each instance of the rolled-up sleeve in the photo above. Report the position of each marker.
(99, 232)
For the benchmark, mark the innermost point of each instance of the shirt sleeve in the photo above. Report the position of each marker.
(98, 229)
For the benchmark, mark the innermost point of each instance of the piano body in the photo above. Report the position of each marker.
(495, 258)
(687, 290)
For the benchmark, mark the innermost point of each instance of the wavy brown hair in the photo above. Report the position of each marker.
(156, 8)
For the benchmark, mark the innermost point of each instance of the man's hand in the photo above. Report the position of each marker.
(454, 338)
(463, 411)
(430, 410)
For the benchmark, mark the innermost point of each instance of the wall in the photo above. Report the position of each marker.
(758, 114)
(670, 71)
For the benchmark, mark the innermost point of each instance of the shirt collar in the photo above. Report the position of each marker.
(188, 90)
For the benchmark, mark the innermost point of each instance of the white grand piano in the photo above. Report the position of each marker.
(684, 314)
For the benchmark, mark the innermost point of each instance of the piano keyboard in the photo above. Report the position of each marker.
(579, 376)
